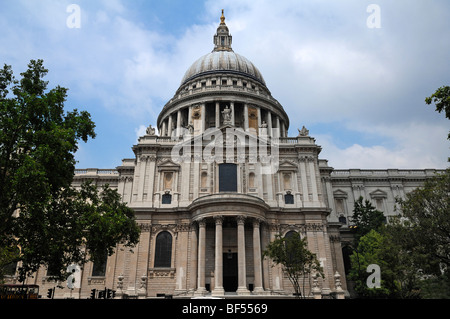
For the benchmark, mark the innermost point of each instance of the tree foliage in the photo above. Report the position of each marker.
(399, 274)
(365, 217)
(297, 262)
(441, 98)
(413, 250)
(50, 222)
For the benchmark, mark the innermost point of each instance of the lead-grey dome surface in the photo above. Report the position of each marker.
(223, 61)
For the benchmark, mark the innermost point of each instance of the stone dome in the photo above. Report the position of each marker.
(218, 81)
(223, 61)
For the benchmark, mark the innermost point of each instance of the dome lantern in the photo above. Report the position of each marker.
(222, 38)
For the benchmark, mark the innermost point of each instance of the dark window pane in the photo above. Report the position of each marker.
(163, 250)
(166, 199)
(289, 199)
(291, 250)
(99, 269)
(342, 219)
(227, 177)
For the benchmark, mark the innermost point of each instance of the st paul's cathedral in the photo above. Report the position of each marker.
(218, 182)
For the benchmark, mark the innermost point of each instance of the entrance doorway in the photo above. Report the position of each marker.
(230, 272)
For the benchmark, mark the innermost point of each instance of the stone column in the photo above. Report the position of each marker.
(246, 118)
(312, 174)
(194, 256)
(258, 113)
(283, 130)
(278, 129)
(302, 172)
(203, 108)
(169, 126)
(178, 124)
(258, 287)
(218, 269)
(269, 123)
(232, 113)
(217, 114)
(242, 273)
(163, 128)
(201, 290)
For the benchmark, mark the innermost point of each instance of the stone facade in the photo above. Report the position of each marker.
(218, 182)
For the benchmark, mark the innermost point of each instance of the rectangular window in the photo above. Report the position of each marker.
(289, 199)
(99, 269)
(227, 177)
(166, 199)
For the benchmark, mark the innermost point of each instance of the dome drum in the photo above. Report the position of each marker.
(199, 115)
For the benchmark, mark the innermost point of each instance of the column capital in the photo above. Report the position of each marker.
(218, 219)
(257, 222)
(201, 222)
(240, 219)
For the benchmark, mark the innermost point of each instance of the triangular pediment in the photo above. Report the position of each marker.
(287, 166)
(378, 194)
(168, 164)
(339, 193)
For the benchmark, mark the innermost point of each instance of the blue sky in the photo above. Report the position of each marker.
(359, 90)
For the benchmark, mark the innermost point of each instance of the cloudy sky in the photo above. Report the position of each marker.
(355, 75)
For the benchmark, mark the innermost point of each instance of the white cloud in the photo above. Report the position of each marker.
(415, 145)
(318, 58)
(140, 131)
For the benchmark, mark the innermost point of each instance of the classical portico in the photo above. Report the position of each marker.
(216, 211)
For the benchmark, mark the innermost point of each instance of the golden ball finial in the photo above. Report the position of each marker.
(222, 18)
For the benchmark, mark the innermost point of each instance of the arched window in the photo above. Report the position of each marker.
(163, 250)
(290, 233)
(290, 246)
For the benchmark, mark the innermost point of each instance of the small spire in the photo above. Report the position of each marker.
(222, 38)
(222, 18)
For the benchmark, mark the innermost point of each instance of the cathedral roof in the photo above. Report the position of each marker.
(223, 59)
(223, 62)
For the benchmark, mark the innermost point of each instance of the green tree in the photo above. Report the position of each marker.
(367, 252)
(40, 212)
(366, 218)
(413, 249)
(297, 262)
(425, 228)
(426, 210)
(441, 98)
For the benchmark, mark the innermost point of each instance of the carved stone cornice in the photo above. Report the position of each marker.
(145, 227)
(184, 227)
(161, 273)
(302, 228)
(158, 227)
